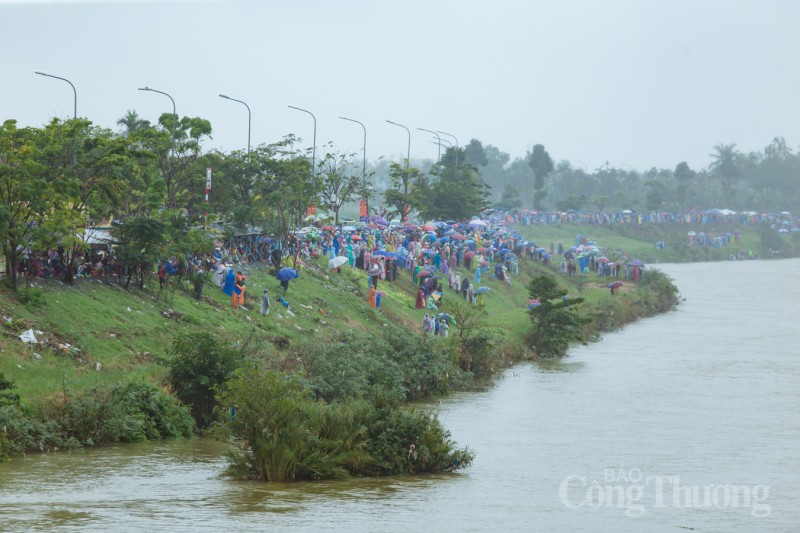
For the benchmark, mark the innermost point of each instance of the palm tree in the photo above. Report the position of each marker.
(725, 164)
(132, 122)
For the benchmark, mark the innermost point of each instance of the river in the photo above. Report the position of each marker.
(689, 420)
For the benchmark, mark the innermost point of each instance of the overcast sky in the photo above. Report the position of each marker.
(637, 83)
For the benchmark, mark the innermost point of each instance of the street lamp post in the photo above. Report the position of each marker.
(454, 137)
(74, 92)
(439, 141)
(408, 159)
(174, 112)
(248, 117)
(314, 148)
(74, 114)
(364, 163)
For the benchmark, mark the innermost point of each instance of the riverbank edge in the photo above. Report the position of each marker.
(607, 313)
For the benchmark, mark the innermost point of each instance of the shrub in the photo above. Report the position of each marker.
(20, 433)
(664, 293)
(200, 364)
(287, 435)
(392, 367)
(130, 412)
(32, 297)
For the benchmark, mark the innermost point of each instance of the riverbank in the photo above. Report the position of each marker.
(95, 335)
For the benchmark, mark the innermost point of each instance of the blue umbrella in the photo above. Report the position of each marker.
(286, 273)
(481, 290)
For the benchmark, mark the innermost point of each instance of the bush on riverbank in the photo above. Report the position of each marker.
(129, 412)
(201, 363)
(286, 434)
(392, 364)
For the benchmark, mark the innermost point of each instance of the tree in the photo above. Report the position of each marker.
(340, 181)
(510, 199)
(142, 239)
(25, 195)
(399, 197)
(600, 201)
(451, 193)
(539, 160)
(556, 321)
(726, 157)
(475, 155)
(573, 201)
(473, 337)
(176, 147)
(199, 367)
(132, 122)
(684, 176)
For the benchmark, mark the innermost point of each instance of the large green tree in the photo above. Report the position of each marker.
(725, 164)
(176, 146)
(399, 197)
(340, 181)
(25, 194)
(540, 162)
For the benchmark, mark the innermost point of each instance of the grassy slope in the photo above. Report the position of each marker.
(127, 333)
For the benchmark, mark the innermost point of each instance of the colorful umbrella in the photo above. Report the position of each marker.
(336, 262)
(286, 273)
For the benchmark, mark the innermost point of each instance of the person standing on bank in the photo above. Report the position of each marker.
(265, 303)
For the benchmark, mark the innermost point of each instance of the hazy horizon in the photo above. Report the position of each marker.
(637, 84)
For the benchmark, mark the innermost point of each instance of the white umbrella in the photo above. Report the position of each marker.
(336, 262)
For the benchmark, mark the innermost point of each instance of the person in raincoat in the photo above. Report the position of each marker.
(470, 294)
(237, 298)
(465, 287)
(230, 282)
(432, 303)
(265, 303)
(420, 303)
(444, 328)
(372, 297)
(478, 274)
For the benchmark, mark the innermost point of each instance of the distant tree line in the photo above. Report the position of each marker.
(59, 179)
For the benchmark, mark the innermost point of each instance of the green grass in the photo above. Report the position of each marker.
(127, 333)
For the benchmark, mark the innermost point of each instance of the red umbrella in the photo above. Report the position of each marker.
(356, 237)
(458, 237)
(469, 255)
(327, 228)
(428, 228)
(373, 226)
(482, 249)
(423, 273)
